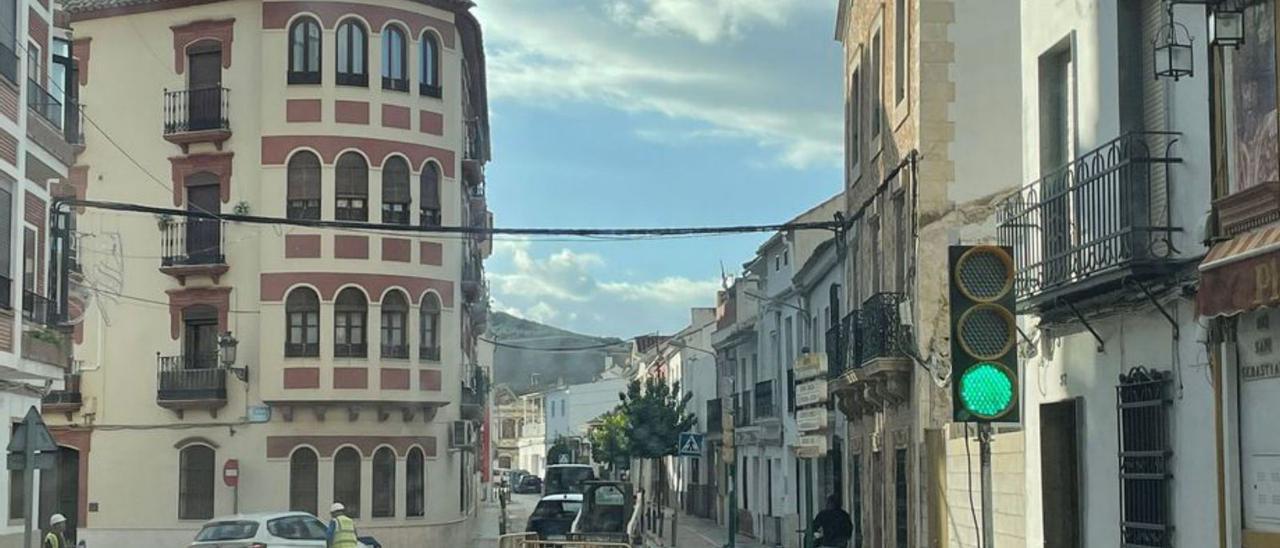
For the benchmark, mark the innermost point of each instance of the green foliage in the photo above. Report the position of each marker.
(49, 336)
(656, 413)
(611, 441)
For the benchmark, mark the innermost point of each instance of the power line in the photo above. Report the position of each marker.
(601, 346)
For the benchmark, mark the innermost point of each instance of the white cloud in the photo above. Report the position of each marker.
(542, 312)
(688, 60)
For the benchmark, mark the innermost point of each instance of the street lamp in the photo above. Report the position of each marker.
(1226, 23)
(1173, 50)
(227, 348)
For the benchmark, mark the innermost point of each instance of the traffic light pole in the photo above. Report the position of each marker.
(984, 458)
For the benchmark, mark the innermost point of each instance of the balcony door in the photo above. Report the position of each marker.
(204, 86)
(204, 236)
(199, 337)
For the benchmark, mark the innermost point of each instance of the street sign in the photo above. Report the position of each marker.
(811, 393)
(811, 447)
(231, 473)
(690, 444)
(43, 461)
(259, 413)
(811, 419)
(31, 448)
(810, 365)
(43, 440)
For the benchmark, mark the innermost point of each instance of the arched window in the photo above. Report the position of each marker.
(304, 51)
(349, 313)
(302, 318)
(415, 486)
(195, 482)
(346, 480)
(395, 316)
(395, 191)
(351, 192)
(384, 483)
(430, 195)
(429, 328)
(304, 186)
(353, 54)
(304, 481)
(395, 73)
(430, 83)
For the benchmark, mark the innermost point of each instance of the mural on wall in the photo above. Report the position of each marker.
(1257, 158)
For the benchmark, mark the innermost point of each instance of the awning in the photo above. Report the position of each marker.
(1241, 274)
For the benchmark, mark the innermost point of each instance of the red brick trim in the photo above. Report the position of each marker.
(395, 116)
(429, 380)
(80, 51)
(273, 285)
(431, 253)
(351, 378)
(394, 379)
(222, 30)
(302, 246)
(395, 249)
(78, 179)
(430, 122)
(301, 377)
(302, 110)
(275, 15)
(350, 247)
(9, 100)
(276, 150)
(81, 440)
(351, 112)
(8, 147)
(217, 163)
(280, 447)
(217, 297)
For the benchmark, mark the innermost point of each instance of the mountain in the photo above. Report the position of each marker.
(517, 358)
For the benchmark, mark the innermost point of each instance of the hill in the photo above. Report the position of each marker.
(518, 366)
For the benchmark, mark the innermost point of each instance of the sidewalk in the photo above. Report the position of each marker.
(696, 532)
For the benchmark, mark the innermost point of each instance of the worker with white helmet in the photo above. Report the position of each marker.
(342, 529)
(54, 538)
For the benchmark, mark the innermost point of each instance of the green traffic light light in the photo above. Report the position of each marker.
(987, 390)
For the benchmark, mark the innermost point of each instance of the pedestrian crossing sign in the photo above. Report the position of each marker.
(690, 444)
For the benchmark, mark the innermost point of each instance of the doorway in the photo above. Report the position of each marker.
(204, 236)
(200, 337)
(1060, 491)
(204, 85)
(60, 490)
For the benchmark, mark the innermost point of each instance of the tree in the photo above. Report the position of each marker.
(611, 441)
(657, 416)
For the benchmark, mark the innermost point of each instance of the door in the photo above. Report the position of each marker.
(204, 236)
(204, 86)
(200, 337)
(60, 490)
(1060, 494)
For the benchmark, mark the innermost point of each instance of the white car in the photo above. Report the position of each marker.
(263, 530)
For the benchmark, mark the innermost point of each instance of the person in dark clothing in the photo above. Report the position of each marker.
(832, 525)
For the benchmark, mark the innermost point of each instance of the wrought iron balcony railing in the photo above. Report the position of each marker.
(835, 349)
(764, 405)
(190, 378)
(200, 109)
(191, 241)
(395, 351)
(1104, 211)
(44, 103)
(40, 309)
(880, 328)
(429, 353)
(70, 393)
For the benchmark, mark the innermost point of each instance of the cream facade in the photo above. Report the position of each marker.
(356, 377)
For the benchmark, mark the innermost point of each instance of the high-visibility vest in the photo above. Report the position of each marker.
(53, 540)
(344, 533)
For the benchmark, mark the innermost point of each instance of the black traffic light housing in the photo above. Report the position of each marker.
(985, 375)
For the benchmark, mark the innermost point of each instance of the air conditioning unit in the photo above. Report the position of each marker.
(462, 435)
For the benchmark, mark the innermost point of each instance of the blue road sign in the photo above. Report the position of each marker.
(690, 444)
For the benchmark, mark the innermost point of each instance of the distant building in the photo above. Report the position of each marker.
(532, 446)
(508, 415)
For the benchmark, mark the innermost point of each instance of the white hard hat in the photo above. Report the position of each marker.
(337, 507)
(56, 519)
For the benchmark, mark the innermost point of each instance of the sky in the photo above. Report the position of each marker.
(645, 113)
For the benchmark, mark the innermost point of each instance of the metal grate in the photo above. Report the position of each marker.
(881, 329)
(1142, 403)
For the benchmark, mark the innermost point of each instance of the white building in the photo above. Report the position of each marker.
(532, 450)
(570, 408)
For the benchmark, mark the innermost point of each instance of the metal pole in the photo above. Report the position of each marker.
(984, 457)
(808, 521)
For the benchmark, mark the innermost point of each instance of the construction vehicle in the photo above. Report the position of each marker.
(609, 514)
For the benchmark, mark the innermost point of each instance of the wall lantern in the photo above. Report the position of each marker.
(227, 344)
(1226, 23)
(1173, 52)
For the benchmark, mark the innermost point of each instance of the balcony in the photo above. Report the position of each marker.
(67, 400)
(1083, 229)
(40, 101)
(394, 351)
(192, 247)
(475, 388)
(715, 417)
(39, 309)
(880, 331)
(197, 116)
(876, 370)
(472, 278)
(429, 353)
(191, 382)
(764, 407)
(473, 154)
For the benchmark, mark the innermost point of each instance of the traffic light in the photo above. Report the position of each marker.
(984, 335)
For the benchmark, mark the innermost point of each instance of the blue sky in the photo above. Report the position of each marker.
(640, 113)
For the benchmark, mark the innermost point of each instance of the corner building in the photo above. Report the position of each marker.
(355, 376)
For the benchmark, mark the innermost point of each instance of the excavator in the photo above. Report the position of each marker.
(610, 514)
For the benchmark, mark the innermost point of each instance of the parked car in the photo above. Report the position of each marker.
(568, 478)
(529, 484)
(554, 515)
(274, 529)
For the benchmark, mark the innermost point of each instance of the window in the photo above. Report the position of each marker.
(346, 480)
(302, 313)
(430, 83)
(195, 482)
(352, 188)
(415, 487)
(899, 52)
(429, 326)
(298, 528)
(349, 324)
(395, 75)
(395, 315)
(304, 51)
(900, 497)
(430, 195)
(789, 336)
(384, 483)
(877, 73)
(8, 39)
(33, 62)
(395, 191)
(304, 186)
(353, 54)
(6, 237)
(304, 482)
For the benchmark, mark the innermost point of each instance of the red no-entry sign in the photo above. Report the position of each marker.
(231, 473)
